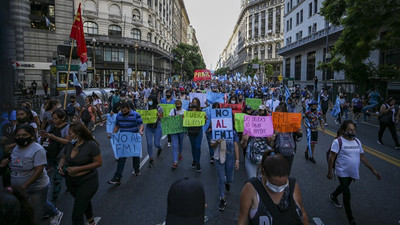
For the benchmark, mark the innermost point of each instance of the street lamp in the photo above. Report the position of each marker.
(136, 46)
(94, 59)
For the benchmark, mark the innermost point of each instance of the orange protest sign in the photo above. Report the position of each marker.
(286, 122)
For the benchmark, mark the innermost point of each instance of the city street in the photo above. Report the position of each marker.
(143, 200)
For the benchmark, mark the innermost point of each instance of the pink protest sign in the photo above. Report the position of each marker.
(258, 126)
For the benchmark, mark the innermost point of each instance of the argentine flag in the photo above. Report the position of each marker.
(336, 109)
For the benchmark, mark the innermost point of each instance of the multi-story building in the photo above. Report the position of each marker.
(306, 40)
(258, 33)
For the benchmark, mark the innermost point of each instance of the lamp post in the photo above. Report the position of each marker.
(136, 48)
(94, 59)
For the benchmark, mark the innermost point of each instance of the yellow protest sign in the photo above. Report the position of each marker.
(194, 118)
(167, 108)
(148, 116)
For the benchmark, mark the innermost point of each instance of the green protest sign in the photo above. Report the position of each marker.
(239, 121)
(148, 116)
(167, 108)
(254, 103)
(172, 125)
(194, 118)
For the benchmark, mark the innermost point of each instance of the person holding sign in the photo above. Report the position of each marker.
(225, 154)
(208, 132)
(168, 100)
(195, 136)
(79, 166)
(127, 121)
(154, 129)
(177, 139)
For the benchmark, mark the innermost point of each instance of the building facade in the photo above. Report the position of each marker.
(258, 33)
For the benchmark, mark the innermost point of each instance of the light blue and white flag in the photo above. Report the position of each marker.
(287, 93)
(111, 79)
(48, 23)
(76, 83)
(336, 109)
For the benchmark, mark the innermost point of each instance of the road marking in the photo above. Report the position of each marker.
(318, 221)
(163, 137)
(373, 152)
(370, 124)
(143, 161)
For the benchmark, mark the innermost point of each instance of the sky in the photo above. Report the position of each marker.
(213, 21)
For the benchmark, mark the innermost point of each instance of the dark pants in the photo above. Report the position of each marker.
(392, 129)
(344, 189)
(169, 138)
(121, 166)
(289, 159)
(83, 192)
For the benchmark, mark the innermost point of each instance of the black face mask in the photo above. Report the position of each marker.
(23, 142)
(350, 135)
(21, 120)
(179, 107)
(313, 110)
(125, 114)
(168, 96)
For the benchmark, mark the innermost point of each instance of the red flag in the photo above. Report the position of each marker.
(78, 35)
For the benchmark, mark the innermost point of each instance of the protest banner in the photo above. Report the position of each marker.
(286, 122)
(201, 75)
(201, 96)
(126, 144)
(194, 118)
(148, 116)
(221, 122)
(167, 108)
(239, 121)
(254, 103)
(258, 126)
(215, 97)
(185, 104)
(172, 125)
(111, 120)
(236, 108)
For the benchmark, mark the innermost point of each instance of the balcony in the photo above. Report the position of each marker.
(137, 22)
(115, 18)
(318, 36)
(90, 14)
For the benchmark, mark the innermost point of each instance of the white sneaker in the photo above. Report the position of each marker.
(96, 221)
(326, 124)
(56, 220)
(169, 144)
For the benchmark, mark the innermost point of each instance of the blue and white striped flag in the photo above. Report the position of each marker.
(287, 93)
(336, 109)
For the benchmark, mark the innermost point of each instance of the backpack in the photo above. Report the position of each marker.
(53, 147)
(386, 117)
(285, 144)
(70, 110)
(256, 149)
(328, 153)
(359, 104)
(114, 100)
(85, 116)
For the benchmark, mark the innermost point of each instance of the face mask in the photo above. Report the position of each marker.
(123, 99)
(240, 99)
(276, 189)
(313, 110)
(23, 142)
(74, 141)
(125, 114)
(150, 103)
(168, 96)
(179, 107)
(233, 102)
(350, 135)
(182, 93)
(21, 120)
(194, 105)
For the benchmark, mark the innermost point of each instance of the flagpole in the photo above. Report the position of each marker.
(69, 70)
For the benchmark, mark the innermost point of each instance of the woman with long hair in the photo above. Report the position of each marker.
(153, 130)
(47, 120)
(79, 166)
(195, 136)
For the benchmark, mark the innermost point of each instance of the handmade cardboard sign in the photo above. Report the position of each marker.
(126, 144)
(286, 122)
(221, 123)
(258, 126)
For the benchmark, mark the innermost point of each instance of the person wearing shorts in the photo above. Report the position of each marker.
(311, 119)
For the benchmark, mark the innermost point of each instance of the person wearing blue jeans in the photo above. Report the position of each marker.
(41, 203)
(373, 102)
(211, 149)
(226, 152)
(177, 139)
(154, 129)
(196, 136)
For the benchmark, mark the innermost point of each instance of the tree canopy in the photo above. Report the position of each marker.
(188, 58)
(221, 71)
(368, 25)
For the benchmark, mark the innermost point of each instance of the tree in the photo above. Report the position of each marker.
(250, 70)
(187, 59)
(368, 25)
(221, 71)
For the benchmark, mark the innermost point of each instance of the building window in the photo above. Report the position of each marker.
(136, 14)
(262, 23)
(149, 37)
(297, 68)
(136, 34)
(310, 65)
(149, 3)
(269, 51)
(270, 16)
(329, 73)
(301, 16)
(256, 25)
(90, 28)
(262, 50)
(42, 15)
(113, 55)
(277, 47)
(287, 68)
(278, 20)
(314, 28)
(315, 6)
(290, 23)
(250, 26)
(287, 26)
(114, 30)
(114, 10)
(150, 21)
(297, 18)
(309, 30)
(310, 10)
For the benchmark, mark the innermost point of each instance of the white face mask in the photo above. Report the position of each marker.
(233, 102)
(276, 189)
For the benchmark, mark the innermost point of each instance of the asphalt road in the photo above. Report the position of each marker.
(143, 200)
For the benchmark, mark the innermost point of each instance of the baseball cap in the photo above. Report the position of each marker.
(247, 107)
(186, 203)
(262, 107)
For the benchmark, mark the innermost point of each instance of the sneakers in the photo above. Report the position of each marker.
(151, 163)
(194, 165)
(222, 204)
(198, 168)
(227, 186)
(180, 157)
(95, 221)
(169, 144)
(175, 166)
(335, 201)
(212, 160)
(136, 172)
(312, 160)
(379, 142)
(56, 220)
(159, 152)
(116, 181)
(326, 124)
(337, 122)
(397, 148)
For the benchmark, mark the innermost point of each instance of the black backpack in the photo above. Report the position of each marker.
(285, 144)
(85, 116)
(53, 147)
(70, 110)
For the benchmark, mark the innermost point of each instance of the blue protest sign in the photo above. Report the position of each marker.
(185, 104)
(111, 120)
(126, 144)
(201, 96)
(221, 121)
(215, 97)
(208, 121)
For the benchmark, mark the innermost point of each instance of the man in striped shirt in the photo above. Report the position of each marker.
(127, 121)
